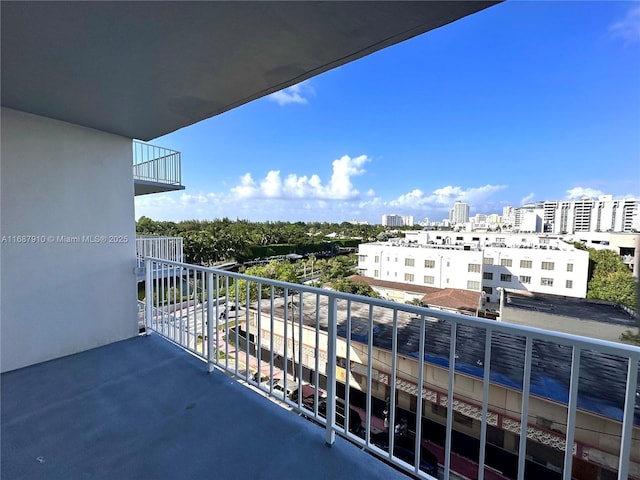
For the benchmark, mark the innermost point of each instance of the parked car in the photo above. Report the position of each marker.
(355, 422)
(404, 448)
(279, 388)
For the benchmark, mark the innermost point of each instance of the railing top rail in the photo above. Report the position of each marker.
(156, 159)
(157, 237)
(149, 145)
(605, 346)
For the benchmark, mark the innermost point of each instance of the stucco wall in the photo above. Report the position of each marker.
(61, 293)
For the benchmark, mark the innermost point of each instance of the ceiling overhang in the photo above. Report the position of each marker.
(144, 69)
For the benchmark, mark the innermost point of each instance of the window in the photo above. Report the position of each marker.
(505, 277)
(526, 264)
(546, 282)
(462, 419)
(409, 262)
(362, 258)
(376, 273)
(459, 238)
(429, 279)
(474, 268)
(487, 276)
(547, 265)
(473, 285)
(569, 284)
(569, 267)
(488, 290)
(408, 277)
(506, 262)
(488, 261)
(376, 259)
(439, 410)
(429, 264)
(524, 279)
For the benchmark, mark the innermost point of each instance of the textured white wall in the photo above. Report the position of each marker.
(59, 297)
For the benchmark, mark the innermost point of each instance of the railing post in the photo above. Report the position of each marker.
(210, 321)
(148, 296)
(626, 436)
(330, 434)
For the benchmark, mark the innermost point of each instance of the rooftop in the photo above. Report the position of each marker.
(579, 308)
(454, 298)
(144, 408)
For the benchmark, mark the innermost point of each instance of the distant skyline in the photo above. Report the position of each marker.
(522, 102)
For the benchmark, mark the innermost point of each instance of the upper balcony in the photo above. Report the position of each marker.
(156, 169)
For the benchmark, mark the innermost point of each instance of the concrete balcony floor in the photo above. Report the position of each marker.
(145, 409)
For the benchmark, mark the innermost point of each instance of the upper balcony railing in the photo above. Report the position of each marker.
(166, 248)
(156, 164)
(456, 385)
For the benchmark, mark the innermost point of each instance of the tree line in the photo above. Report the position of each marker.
(211, 241)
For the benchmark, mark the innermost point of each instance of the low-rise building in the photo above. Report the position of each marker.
(479, 262)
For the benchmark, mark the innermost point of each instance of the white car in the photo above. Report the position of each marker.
(279, 389)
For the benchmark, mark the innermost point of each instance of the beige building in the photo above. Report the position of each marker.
(597, 437)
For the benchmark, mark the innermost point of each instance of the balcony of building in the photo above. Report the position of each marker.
(156, 169)
(143, 408)
(166, 248)
(146, 408)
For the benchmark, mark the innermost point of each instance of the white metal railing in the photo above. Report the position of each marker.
(166, 248)
(571, 392)
(156, 164)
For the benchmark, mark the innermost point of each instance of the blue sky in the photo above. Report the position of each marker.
(521, 102)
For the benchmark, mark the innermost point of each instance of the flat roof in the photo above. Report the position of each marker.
(577, 308)
(602, 377)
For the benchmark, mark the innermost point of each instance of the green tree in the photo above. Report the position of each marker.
(610, 279)
(357, 288)
(281, 271)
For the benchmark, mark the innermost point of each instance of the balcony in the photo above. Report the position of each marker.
(155, 169)
(462, 387)
(166, 248)
(145, 409)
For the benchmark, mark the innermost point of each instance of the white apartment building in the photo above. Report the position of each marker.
(459, 213)
(479, 262)
(586, 215)
(430, 266)
(397, 220)
(508, 215)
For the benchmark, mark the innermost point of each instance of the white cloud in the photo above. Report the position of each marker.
(299, 93)
(246, 188)
(579, 192)
(445, 197)
(527, 199)
(628, 29)
(272, 184)
(339, 187)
